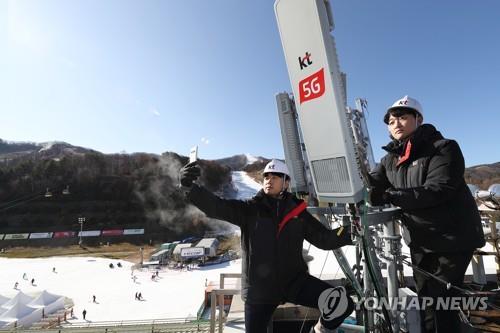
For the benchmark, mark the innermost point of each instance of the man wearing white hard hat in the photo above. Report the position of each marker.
(423, 174)
(274, 224)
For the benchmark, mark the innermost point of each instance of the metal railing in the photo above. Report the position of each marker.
(218, 295)
(138, 326)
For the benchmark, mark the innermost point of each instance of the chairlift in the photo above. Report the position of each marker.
(48, 194)
(66, 191)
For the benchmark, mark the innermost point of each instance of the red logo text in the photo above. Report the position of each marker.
(312, 86)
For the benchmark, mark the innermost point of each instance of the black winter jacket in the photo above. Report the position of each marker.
(439, 211)
(273, 268)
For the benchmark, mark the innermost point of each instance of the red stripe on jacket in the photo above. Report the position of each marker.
(406, 155)
(293, 213)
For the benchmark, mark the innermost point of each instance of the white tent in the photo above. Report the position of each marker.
(18, 310)
(3, 300)
(45, 298)
(19, 298)
(49, 302)
(21, 313)
(24, 310)
(6, 324)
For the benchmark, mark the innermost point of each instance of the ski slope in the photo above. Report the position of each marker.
(174, 294)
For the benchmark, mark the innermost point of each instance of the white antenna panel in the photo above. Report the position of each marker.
(320, 100)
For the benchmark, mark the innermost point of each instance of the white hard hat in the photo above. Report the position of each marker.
(404, 103)
(276, 166)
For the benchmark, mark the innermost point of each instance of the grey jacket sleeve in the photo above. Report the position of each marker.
(232, 211)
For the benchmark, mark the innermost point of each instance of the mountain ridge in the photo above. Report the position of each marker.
(482, 175)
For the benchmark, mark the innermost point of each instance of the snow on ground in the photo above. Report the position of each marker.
(174, 294)
(251, 159)
(247, 187)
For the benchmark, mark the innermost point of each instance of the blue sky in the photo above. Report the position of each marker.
(155, 76)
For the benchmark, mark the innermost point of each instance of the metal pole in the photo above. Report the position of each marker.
(213, 304)
(478, 273)
(368, 291)
(359, 269)
(352, 328)
(344, 265)
(494, 239)
(221, 301)
(81, 220)
(391, 248)
(270, 328)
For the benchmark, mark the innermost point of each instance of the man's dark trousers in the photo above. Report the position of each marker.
(257, 316)
(449, 267)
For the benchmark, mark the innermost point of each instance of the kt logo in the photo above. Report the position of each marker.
(305, 61)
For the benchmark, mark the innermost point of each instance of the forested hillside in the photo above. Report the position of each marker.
(117, 190)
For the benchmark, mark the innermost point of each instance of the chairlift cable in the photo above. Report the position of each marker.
(20, 203)
(29, 196)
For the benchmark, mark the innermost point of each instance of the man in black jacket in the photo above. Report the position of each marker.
(423, 174)
(274, 224)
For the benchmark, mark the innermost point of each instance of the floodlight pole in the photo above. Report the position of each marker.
(81, 220)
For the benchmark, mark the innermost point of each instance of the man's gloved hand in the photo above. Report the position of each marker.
(386, 196)
(392, 196)
(189, 173)
(376, 197)
(343, 236)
